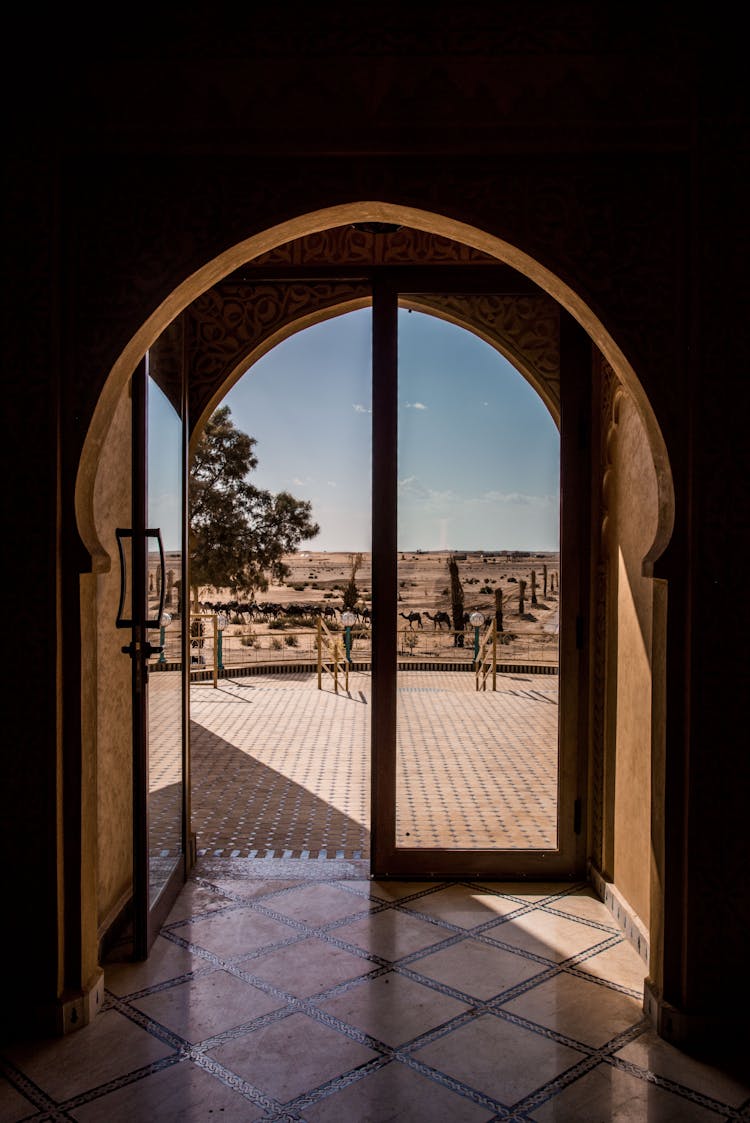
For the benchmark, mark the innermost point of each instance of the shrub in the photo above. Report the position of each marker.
(276, 644)
(247, 641)
(277, 625)
(291, 641)
(299, 586)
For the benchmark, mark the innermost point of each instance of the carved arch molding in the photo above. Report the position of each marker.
(232, 324)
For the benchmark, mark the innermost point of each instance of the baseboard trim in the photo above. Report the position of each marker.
(631, 924)
(76, 1009)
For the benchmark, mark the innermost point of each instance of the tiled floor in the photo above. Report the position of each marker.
(280, 767)
(302, 990)
(290, 988)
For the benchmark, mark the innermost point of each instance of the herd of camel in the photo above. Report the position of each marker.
(438, 619)
(254, 611)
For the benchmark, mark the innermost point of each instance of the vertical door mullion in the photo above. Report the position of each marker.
(188, 847)
(384, 571)
(140, 693)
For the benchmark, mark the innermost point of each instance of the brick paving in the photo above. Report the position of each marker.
(281, 769)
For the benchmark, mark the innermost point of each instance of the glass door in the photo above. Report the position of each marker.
(477, 764)
(158, 602)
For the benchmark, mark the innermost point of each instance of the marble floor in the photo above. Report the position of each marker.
(304, 991)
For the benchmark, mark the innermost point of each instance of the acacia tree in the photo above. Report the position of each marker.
(238, 532)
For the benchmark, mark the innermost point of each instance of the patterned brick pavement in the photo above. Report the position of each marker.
(281, 769)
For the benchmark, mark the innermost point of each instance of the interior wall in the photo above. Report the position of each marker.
(633, 520)
(112, 508)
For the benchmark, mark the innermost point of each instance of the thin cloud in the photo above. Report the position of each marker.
(415, 405)
(516, 498)
(359, 408)
(332, 483)
(411, 487)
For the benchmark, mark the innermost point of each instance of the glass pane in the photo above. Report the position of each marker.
(165, 689)
(478, 586)
(280, 737)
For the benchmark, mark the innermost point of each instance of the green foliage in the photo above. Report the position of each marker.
(291, 641)
(238, 532)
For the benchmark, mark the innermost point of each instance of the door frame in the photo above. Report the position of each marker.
(387, 859)
(386, 282)
(148, 917)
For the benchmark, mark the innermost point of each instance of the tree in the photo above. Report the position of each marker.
(457, 602)
(238, 532)
(351, 592)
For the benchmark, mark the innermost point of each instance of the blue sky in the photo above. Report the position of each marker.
(478, 451)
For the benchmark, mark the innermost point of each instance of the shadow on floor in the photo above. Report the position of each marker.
(239, 804)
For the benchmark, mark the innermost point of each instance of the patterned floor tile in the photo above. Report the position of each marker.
(499, 1059)
(397, 1094)
(291, 1056)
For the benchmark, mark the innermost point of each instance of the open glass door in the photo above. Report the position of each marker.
(156, 546)
(477, 753)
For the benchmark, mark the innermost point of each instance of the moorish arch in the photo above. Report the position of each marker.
(326, 237)
(228, 314)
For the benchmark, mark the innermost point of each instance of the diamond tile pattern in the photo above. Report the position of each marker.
(309, 992)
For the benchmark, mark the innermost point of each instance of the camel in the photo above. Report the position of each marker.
(439, 619)
(412, 617)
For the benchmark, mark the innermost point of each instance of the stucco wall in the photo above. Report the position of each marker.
(633, 513)
(112, 508)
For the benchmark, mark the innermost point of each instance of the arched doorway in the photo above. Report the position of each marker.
(478, 475)
(541, 337)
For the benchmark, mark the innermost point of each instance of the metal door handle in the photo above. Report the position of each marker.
(147, 649)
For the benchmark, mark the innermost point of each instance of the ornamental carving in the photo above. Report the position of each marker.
(350, 245)
(570, 222)
(230, 323)
(525, 328)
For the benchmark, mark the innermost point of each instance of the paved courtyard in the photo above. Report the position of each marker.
(281, 768)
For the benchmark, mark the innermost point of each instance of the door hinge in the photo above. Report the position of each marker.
(577, 816)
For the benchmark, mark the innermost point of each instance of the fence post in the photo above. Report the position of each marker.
(494, 654)
(216, 652)
(320, 653)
